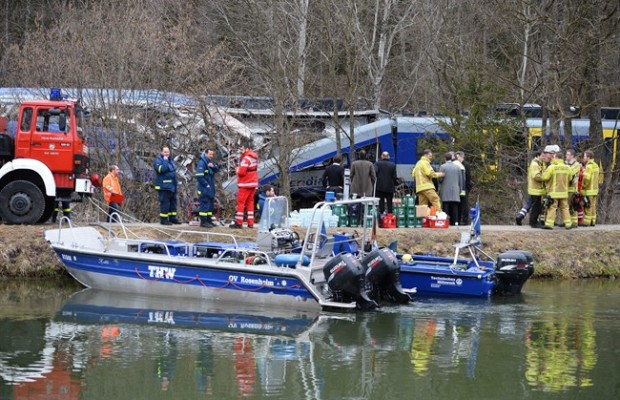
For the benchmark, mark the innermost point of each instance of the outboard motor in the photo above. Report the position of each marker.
(513, 269)
(345, 278)
(383, 276)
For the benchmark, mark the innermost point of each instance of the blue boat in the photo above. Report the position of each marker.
(277, 269)
(479, 275)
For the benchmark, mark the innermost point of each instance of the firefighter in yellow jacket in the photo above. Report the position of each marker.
(589, 188)
(575, 166)
(556, 178)
(536, 188)
(423, 173)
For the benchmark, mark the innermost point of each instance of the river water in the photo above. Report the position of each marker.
(559, 340)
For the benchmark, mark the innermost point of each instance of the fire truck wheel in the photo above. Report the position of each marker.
(21, 202)
(50, 204)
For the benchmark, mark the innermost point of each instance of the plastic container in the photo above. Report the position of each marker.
(409, 201)
(438, 223)
(414, 222)
(388, 221)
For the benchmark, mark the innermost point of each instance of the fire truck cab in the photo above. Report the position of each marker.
(44, 160)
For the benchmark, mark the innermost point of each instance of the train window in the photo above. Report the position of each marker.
(610, 113)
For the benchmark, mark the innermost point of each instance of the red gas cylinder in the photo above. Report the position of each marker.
(388, 221)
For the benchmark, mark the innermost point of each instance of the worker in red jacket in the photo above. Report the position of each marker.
(247, 181)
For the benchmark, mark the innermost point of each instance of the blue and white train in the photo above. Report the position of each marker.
(400, 137)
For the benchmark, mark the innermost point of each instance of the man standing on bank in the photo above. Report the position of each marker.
(247, 182)
(450, 188)
(333, 176)
(166, 185)
(423, 174)
(205, 175)
(363, 176)
(464, 203)
(112, 192)
(589, 188)
(386, 182)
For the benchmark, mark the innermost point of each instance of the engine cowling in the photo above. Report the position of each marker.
(383, 275)
(513, 268)
(345, 278)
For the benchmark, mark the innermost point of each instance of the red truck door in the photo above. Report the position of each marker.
(51, 142)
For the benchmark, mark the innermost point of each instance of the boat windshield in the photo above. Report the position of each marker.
(274, 214)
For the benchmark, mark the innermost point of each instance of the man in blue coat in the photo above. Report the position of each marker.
(205, 176)
(166, 185)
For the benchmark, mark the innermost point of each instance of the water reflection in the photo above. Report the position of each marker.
(561, 351)
(165, 348)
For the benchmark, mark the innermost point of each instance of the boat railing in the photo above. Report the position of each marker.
(208, 236)
(312, 240)
(62, 221)
(118, 219)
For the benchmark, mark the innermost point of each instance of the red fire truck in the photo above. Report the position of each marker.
(44, 159)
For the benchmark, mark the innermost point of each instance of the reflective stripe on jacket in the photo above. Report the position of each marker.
(205, 176)
(247, 172)
(165, 174)
(556, 178)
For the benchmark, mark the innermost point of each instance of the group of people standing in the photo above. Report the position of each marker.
(166, 184)
(565, 185)
(553, 184)
(454, 185)
(380, 180)
(377, 179)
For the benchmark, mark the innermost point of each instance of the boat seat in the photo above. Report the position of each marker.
(327, 249)
(467, 240)
(470, 242)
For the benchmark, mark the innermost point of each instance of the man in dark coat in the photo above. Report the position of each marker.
(386, 182)
(466, 172)
(450, 187)
(166, 185)
(205, 176)
(333, 177)
(363, 176)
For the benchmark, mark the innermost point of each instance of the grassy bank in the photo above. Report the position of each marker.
(559, 254)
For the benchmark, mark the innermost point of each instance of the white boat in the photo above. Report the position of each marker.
(277, 269)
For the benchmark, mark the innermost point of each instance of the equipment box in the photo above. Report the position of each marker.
(438, 223)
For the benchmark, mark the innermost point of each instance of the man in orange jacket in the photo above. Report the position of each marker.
(112, 192)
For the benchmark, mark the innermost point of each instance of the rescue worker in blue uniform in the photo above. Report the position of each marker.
(166, 185)
(205, 176)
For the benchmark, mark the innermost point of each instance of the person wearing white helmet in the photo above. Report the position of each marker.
(556, 178)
